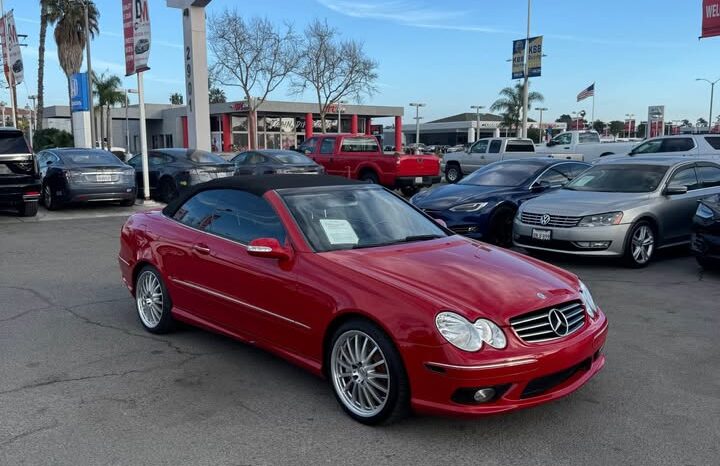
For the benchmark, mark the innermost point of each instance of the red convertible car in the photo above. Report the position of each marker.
(354, 284)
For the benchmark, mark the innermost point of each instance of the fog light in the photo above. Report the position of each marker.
(484, 394)
(472, 229)
(593, 244)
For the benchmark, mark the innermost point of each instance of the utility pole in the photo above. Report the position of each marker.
(525, 84)
(477, 120)
(541, 110)
(89, 74)
(417, 124)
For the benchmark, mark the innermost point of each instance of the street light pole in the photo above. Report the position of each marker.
(477, 120)
(127, 121)
(90, 75)
(525, 85)
(540, 133)
(417, 124)
(712, 96)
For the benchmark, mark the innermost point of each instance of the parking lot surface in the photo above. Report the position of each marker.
(82, 383)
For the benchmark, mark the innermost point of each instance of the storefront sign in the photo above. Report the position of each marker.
(287, 125)
(79, 92)
(12, 58)
(535, 56)
(136, 28)
(518, 59)
(710, 18)
(240, 106)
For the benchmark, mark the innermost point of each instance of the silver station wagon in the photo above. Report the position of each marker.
(625, 208)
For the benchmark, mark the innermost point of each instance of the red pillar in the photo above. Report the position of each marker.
(308, 125)
(398, 134)
(185, 132)
(354, 124)
(368, 126)
(227, 132)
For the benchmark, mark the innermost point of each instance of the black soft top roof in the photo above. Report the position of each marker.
(259, 185)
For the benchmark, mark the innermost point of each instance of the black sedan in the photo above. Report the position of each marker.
(84, 175)
(706, 232)
(173, 170)
(483, 204)
(274, 161)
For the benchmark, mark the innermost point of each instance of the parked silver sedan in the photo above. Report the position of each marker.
(626, 208)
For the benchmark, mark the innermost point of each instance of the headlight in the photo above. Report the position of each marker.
(601, 220)
(469, 336)
(587, 298)
(704, 211)
(473, 207)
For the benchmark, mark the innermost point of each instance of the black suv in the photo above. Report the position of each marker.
(19, 174)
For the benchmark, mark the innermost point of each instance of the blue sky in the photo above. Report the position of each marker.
(450, 54)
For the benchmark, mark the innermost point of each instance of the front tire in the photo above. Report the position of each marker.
(453, 174)
(152, 301)
(501, 227)
(640, 245)
(367, 374)
(369, 177)
(168, 190)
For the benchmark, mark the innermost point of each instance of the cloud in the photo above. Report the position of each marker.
(401, 11)
(22, 19)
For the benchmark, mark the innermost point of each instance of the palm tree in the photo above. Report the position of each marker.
(176, 99)
(510, 105)
(70, 33)
(217, 96)
(108, 92)
(49, 15)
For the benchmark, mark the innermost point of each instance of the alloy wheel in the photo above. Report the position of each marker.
(360, 373)
(642, 244)
(149, 298)
(452, 175)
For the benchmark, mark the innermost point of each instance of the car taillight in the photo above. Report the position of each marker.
(73, 176)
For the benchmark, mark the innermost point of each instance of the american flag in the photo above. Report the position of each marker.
(589, 92)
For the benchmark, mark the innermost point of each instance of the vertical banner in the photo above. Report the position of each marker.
(136, 29)
(710, 18)
(79, 93)
(518, 59)
(12, 57)
(535, 53)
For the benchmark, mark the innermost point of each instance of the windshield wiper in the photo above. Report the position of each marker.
(410, 239)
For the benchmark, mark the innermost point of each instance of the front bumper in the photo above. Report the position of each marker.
(524, 374)
(426, 181)
(705, 245)
(471, 224)
(564, 240)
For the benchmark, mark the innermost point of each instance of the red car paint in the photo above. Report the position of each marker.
(392, 170)
(291, 306)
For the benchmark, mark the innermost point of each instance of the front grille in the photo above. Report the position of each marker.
(464, 229)
(550, 323)
(558, 221)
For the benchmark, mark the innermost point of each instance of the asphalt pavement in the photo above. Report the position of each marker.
(82, 384)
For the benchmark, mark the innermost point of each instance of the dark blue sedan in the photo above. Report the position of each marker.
(483, 204)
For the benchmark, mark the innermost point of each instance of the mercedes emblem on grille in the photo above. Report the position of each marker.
(545, 219)
(558, 322)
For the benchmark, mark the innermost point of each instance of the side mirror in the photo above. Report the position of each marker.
(540, 186)
(672, 190)
(269, 248)
(551, 143)
(307, 151)
(440, 222)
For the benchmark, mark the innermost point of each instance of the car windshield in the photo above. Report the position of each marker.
(502, 174)
(90, 158)
(289, 157)
(340, 218)
(619, 179)
(201, 156)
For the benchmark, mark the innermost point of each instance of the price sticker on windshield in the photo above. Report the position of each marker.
(339, 231)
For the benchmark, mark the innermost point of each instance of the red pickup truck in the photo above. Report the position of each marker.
(360, 157)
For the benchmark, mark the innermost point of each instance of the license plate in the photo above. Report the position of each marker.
(418, 180)
(542, 235)
(103, 178)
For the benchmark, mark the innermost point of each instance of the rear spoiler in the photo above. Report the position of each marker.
(15, 157)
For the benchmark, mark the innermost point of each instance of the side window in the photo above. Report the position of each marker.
(327, 146)
(254, 158)
(571, 170)
(308, 147)
(685, 177)
(650, 147)
(135, 162)
(197, 212)
(495, 146)
(677, 145)
(710, 176)
(42, 158)
(554, 178)
(480, 147)
(520, 146)
(565, 138)
(588, 138)
(243, 217)
(714, 142)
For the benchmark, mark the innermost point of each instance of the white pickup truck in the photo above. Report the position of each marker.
(586, 143)
(489, 150)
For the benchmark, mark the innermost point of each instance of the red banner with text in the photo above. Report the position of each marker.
(711, 18)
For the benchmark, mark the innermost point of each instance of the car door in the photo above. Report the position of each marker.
(563, 141)
(325, 155)
(678, 209)
(251, 295)
(475, 157)
(493, 153)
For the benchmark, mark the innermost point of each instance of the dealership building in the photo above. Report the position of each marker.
(280, 124)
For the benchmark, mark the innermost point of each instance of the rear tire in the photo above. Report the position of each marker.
(28, 209)
(369, 177)
(453, 173)
(640, 245)
(49, 199)
(168, 190)
(152, 301)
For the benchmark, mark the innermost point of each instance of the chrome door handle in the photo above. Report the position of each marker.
(201, 248)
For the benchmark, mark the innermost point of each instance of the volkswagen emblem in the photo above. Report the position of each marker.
(545, 219)
(558, 322)
(540, 295)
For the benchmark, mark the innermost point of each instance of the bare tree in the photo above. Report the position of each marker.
(333, 69)
(253, 55)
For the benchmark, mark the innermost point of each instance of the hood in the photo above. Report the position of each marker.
(446, 196)
(580, 203)
(465, 276)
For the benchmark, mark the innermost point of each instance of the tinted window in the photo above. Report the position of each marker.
(571, 170)
(154, 160)
(586, 138)
(714, 142)
(308, 145)
(197, 211)
(520, 146)
(565, 138)
(13, 142)
(240, 158)
(677, 145)
(710, 176)
(327, 146)
(480, 147)
(495, 146)
(254, 158)
(649, 147)
(554, 178)
(135, 161)
(90, 158)
(360, 144)
(619, 178)
(501, 174)
(243, 217)
(200, 156)
(292, 157)
(685, 177)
